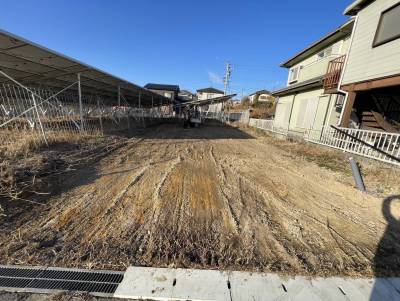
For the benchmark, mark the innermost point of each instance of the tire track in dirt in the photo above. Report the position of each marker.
(178, 199)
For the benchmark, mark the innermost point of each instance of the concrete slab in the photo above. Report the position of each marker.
(199, 285)
(146, 283)
(299, 288)
(327, 289)
(255, 286)
(354, 289)
(207, 285)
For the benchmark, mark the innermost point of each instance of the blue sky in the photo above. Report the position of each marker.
(178, 42)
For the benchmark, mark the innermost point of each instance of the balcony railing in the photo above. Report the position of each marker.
(332, 76)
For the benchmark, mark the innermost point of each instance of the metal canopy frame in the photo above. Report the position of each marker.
(205, 102)
(34, 65)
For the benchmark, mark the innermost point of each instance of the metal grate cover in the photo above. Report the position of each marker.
(103, 282)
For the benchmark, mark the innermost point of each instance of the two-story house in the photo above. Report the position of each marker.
(261, 96)
(208, 93)
(371, 75)
(311, 99)
(169, 91)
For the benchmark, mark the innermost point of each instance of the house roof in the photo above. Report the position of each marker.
(186, 92)
(356, 6)
(162, 87)
(261, 92)
(34, 65)
(211, 90)
(305, 85)
(339, 33)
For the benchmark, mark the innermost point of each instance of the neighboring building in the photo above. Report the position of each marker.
(311, 99)
(169, 91)
(185, 95)
(372, 72)
(261, 96)
(209, 93)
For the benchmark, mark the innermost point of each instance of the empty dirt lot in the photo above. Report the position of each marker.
(213, 197)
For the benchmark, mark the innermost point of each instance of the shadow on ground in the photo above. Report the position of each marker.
(173, 129)
(387, 256)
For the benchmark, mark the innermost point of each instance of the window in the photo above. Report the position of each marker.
(324, 53)
(389, 26)
(168, 94)
(294, 74)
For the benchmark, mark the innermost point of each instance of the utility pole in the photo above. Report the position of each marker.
(227, 77)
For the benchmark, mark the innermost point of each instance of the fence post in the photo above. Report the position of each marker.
(80, 100)
(346, 143)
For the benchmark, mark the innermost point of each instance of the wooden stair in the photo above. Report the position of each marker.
(375, 121)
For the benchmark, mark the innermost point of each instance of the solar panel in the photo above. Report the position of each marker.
(32, 64)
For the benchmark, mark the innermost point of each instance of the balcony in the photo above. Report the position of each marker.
(333, 73)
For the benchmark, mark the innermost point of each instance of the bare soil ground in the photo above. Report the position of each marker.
(212, 197)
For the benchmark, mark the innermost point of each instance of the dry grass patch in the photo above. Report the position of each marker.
(380, 178)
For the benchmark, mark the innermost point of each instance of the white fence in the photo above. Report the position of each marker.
(267, 125)
(377, 145)
(381, 146)
(227, 116)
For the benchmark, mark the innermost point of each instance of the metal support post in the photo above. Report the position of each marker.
(140, 108)
(38, 117)
(128, 118)
(80, 101)
(357, 174)
(152, 109)
(101, 114)
(119, 103)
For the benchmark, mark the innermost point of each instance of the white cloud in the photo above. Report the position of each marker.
(214, 78)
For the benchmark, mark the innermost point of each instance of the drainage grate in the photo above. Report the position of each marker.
(105, 282)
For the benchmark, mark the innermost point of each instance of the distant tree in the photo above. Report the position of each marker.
(245, 101)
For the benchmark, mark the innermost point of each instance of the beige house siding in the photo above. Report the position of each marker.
(365, 62)
(307, 110)
(282, 112)
(165, 93)
(313, 67)
(204, 95)
(262, 98)
(311, 108)
(252, 98)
